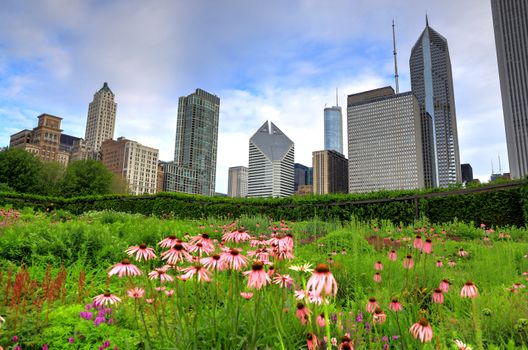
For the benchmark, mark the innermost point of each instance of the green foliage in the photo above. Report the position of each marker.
(19, 170)
(86, 177)
(50, 178)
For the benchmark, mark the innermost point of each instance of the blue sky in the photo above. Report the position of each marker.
(266, 60)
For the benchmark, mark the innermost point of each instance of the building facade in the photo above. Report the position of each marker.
(432, 84)
(333, 129)
(271, 156)
(301, 173)
(237, 185)
(467, 173)
(135, 163)
(196, 143)
(330, 172)
(100, 123)
(510, 23)
(384, 141)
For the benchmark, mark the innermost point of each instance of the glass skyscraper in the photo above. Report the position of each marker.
(333, 129)
(432, 84)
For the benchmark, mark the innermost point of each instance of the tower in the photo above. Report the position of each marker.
(432, 84)
(333, 128)
(510, 23)
(100, 123)
(271, 155)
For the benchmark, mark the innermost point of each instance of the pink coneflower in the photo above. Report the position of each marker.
(451, 263)
(142, 252)
(461, 345)
(168, 242)
(204, 240)
(176, 253)
(462, 253)
(408, 262)
(271, 270)
(321, 322)
(284, 281)
(346, 343)
(201, 248)
(343, 251)
(232, 259)
(427, 246)
(246, 295)
(372, 305)
(257, 276)
(438, 296)
(311, 341)
(169, 293)
(444, 286)
(212, 262)
(302, 313)
(378, 266)
(392, 255)
(439, 263)
(300, 294)
(161, 274)
(518, 285)
(136, 293)
(236, 236)
(379, 317)
(201, 273)
(395, 305)
(417, 243)
(377, 277)
(322, 279)
(106, 298)
(422, 330)
(469, 290)
(124, 268)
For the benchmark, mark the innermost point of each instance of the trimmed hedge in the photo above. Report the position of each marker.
(504, 204)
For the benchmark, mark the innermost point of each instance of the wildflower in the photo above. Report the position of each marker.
(438, 296)
(302, 313)
(469, 290)
(444, 286)
(427, 246)
(15, 339)
(176, 253)
(377, 277)
(518, 285)
(257, 276)
(284, 281)
(204, 240)
(311, 341)
(106, 298)
(392, 255)
(439, 263)
(246, 295)
(237, 236)
(168, 242)
(136, 293)
(212, 262)
(379, 317)
(462, 253)
(124, 268)
(395, 305)
(322, 279)
(169, 293)
(201, 273)
(422, 330)
(201, 248)
(408, 262)
(378, 266)
(451, 263)
(372, 305)
(233, 259)
(346, 343)
(359, 317)
(71, 340)
(417, 243)
(302, 268)
(142, 252)
(321, 322)
(161, 274)
(45, 347)
(460, 345)
(343, 252)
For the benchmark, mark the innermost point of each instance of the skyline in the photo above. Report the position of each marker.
(279, 62)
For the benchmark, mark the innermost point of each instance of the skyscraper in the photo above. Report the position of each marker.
(384, 141)
(432, 84)
(100, 123)
(196, 143)
(330, 172)
(237, 185)
(271, 155)
(510, 22)
(333, 129)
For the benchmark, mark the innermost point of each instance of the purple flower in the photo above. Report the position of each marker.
(45, 347)
(333, 318)
(88, 307)
(385, 338)
(98, 320)
(367, 326)
(17, 347)
(394, 337)
(386, 346)
(71, 340)
(359, 317)
(106, 344)
(108, 310)
(14, 339)
(111, 321)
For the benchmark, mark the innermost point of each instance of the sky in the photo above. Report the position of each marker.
(267, 60)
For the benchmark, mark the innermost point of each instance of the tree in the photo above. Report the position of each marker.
(86, 177)
(51, 178)
(20, 170)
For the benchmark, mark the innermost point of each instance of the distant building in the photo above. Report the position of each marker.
(135, 163)
(302, 175)
(505, 176)
(237, 185)
(304, 190)
(333, 129)
(100, 123)
(330, 172)
(196, 143)
(271, 155)
(384, 141)
(510, 23)
(467, 173)
(159, 177)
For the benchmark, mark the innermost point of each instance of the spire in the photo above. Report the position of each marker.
(395, 60)
(337, 98)
(426, 20)
(106, 88)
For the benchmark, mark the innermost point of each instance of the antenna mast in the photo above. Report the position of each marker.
(337, 99)
(395, 60)
(500, 170)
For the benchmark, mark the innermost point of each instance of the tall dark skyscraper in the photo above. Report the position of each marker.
(432, 84)
(510, 23)
(196, 143)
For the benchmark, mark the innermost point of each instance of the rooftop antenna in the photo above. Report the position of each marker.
(492, 172)
(337, 98)
(500, 170)
(395, 60)
(426, 20)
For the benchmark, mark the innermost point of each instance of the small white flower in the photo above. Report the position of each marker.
(461, 345)
(302, 268)
(2, 321)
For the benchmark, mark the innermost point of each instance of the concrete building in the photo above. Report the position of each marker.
(302, 176)
(333, 129)
(135, 163)
(159, 177)
(432, 84)
(100, 123)
(384, 141)
(467, 173)
(271, 156)
(196, 143)
(510, 23)
(304, 190)
(330, 172)
(237, 185)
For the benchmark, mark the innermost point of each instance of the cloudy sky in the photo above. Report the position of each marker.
(267, 60)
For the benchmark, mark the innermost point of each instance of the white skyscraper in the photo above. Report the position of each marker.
(100, 124)
(271, 156)
(237, 185)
